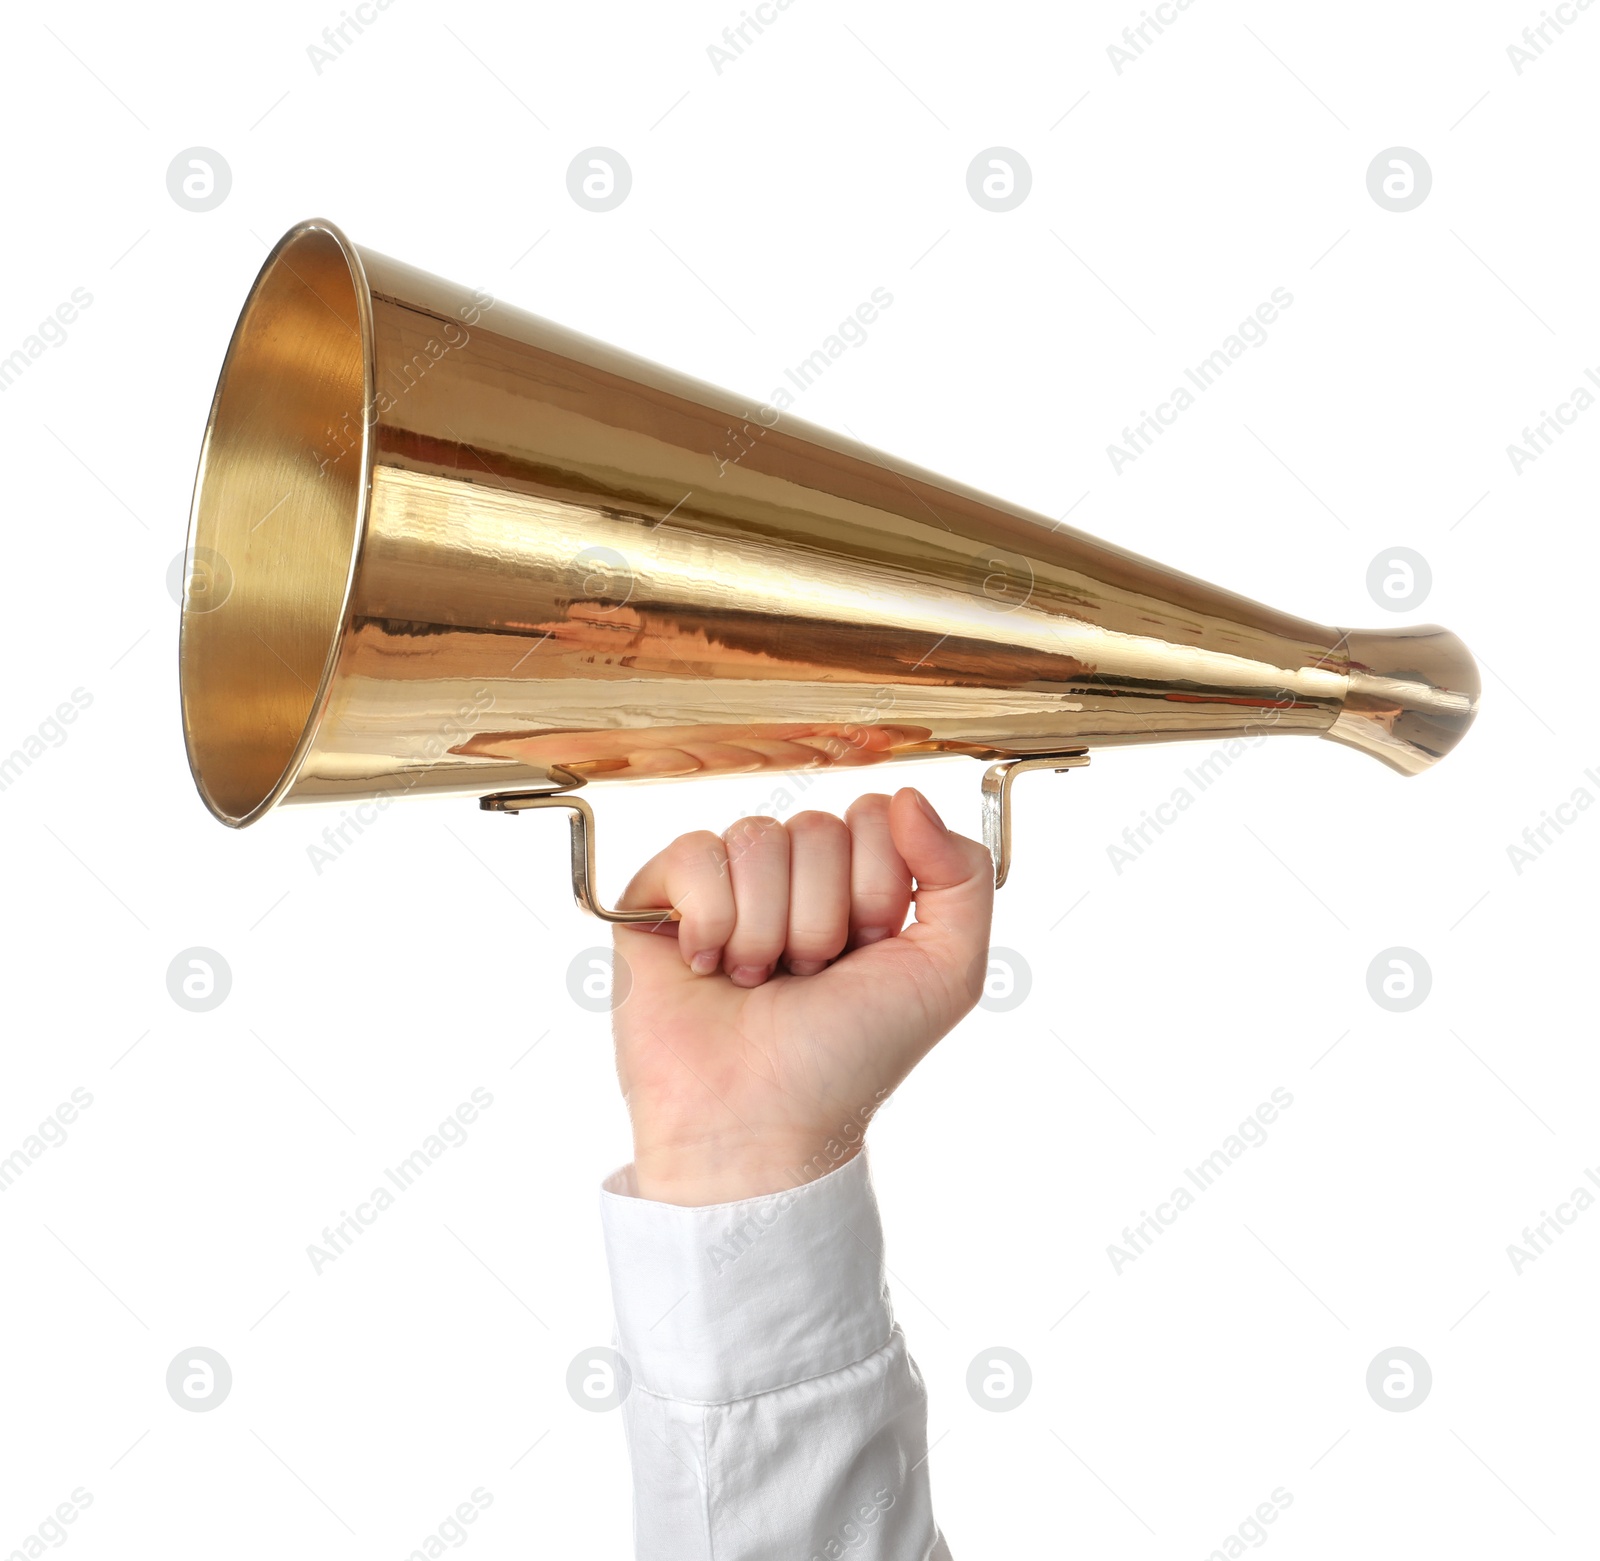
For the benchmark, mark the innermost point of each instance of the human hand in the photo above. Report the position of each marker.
(761, 1031)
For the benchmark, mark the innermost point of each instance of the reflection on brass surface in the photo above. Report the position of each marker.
(469, 551)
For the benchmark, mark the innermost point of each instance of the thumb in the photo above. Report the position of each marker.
(954, 877)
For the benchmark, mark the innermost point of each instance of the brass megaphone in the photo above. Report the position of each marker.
(440, 545)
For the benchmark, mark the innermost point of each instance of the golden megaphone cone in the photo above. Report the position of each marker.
(440, 545)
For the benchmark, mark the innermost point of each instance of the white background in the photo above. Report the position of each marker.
(1167, 1001)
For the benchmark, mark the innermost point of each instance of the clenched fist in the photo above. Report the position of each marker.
(761, 1031)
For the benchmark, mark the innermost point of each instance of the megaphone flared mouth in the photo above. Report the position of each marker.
(277, 520)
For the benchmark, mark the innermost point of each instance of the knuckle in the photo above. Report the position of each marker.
(710, 901)
(709, 926)
(756, 840)
(815, 822)
(870, 805)
(757, 827)
(694, 848)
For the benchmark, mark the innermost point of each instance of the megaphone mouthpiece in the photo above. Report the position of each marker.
(1411, 695)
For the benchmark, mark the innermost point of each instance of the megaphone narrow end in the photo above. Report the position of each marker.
(1412, 695)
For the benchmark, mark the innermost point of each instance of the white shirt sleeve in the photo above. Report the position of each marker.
(774, 1414)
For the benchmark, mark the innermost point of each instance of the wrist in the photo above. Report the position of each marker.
(699, 1175)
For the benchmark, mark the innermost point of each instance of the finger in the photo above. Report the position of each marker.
(819, 891)
(955, 881)
(758, 866)
(880, 882)
(692, 875)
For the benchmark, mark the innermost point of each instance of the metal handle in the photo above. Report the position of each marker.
(997, 782)
(583, 875)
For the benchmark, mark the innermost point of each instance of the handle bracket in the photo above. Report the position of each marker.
(997, 783)
(582, 850)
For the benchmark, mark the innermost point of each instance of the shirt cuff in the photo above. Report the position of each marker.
(721, 1303)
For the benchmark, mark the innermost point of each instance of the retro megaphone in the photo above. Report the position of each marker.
(440, 545)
